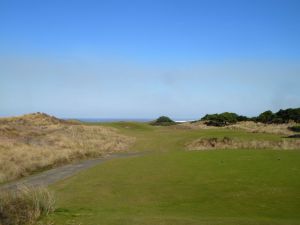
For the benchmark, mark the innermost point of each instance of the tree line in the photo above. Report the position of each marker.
(267, 117)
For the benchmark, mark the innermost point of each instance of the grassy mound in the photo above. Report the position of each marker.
(163, 121)
(36, 141)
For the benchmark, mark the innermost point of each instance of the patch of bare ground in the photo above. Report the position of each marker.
(230, 143)
(35, 141)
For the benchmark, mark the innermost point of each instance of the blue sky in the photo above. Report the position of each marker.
(142, 59)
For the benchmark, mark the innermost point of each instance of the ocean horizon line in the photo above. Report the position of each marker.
(91, 120)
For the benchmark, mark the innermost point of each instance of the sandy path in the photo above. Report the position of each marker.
(53, 175)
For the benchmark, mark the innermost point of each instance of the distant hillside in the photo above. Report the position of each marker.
(34, 119)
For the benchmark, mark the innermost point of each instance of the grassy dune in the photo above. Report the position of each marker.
(170, 185)
(38, 141)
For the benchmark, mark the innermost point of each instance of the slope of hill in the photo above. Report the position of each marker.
(36, 141)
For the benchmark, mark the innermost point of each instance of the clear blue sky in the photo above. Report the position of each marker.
(142, 59)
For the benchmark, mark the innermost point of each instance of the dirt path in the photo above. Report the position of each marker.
(53, 175)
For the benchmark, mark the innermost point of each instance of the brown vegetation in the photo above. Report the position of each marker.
(25, 205)
(36, 141)
(254, 127)
(249, 126)
(229, 143)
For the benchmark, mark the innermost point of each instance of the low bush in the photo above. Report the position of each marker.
(223, 119)
(294, 136)
(282, 116)
(163, 121)
(25, 205)
(295, 128)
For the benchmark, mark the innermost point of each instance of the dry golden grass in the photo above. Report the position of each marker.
(35, 141)
(229, 143)
(193, 125)
(253, 127)
(248, 126)
(25, 205)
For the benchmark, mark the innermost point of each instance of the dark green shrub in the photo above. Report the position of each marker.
(282, 116)
(223, 119)
(227, 118)
(163, 121)
(295, 128)
(289, 114)
(266, 117)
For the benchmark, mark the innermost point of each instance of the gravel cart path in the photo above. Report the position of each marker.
(53, 175)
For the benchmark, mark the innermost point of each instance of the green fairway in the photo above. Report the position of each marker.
(170, 138)
(172, 186)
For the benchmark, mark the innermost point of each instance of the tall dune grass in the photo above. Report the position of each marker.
(249, 126)
(25, 205)
(231, 143)
(37, 141)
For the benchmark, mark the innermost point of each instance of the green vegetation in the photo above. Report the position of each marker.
(175, 187)
(282, 116)
(227, 118)
(218, 187)
(163, 121)
(170, 138)
(265, 117)
(223, 119)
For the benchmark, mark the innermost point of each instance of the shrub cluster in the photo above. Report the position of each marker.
(282, 116)
(268, 117)
(223, 119)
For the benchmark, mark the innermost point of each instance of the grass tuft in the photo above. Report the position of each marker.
(25, 205)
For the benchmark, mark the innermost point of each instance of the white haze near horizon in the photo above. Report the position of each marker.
(106, 88)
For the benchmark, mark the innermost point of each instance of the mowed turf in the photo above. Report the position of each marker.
(170, 138)
(171, 186)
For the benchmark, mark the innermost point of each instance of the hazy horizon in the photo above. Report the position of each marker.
(144, 59)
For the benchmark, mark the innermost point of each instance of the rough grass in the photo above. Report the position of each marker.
(171, 186)
(251, 126)
(36, 141)
(230, 143)
(25, 205)
(248, 126)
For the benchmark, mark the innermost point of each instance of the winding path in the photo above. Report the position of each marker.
(53, 175)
